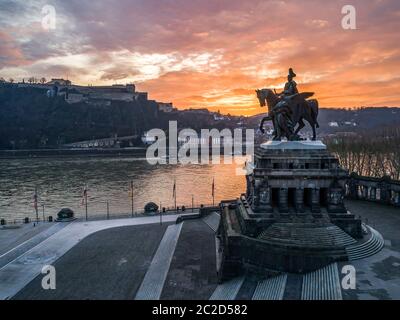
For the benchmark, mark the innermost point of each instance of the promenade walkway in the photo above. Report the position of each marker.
(19, 272)
(110, 260)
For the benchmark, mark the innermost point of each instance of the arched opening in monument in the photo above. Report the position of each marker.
(307, 198)
(275, 197)
(291, 198)
(323, 197)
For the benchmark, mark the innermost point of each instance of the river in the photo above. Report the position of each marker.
(60, 181)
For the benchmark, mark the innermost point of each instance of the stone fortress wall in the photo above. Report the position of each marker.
(99, 95)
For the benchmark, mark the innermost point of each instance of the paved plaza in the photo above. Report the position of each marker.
(110, 260)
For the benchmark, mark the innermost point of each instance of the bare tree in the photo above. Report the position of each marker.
(372, 153)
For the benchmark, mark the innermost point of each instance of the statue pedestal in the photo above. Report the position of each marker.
(294, 200)
(302, 177)
(293, 145)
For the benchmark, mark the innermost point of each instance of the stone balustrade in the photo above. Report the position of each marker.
(382, 190)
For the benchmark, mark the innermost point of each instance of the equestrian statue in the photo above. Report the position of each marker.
(288, 109)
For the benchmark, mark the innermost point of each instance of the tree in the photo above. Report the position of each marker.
(43, 80)
(2, 80)
(11, 80)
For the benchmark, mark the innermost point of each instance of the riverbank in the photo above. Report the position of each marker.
(92, 152)
(111, 152)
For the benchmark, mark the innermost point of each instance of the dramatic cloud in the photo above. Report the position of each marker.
(210, 53)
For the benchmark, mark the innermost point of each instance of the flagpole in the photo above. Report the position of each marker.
(108, 210)
(36, 205)
(160, 214)
(86, 206)
(213, 192)
(132, 196)
(175, 193)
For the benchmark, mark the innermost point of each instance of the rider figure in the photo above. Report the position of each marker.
(282, 107)
(291, 85)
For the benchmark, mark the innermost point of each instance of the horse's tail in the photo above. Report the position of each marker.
(313, 104)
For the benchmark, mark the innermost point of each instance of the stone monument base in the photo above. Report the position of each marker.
(280, 242)
(292, 217)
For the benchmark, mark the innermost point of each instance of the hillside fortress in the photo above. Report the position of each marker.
(95, 95)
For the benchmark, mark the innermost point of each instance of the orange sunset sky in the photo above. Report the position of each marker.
(213, 54)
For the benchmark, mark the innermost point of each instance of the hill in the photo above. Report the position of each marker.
(29, 119)
(334, 120)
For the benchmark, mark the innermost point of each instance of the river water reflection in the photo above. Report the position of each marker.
(60, 182)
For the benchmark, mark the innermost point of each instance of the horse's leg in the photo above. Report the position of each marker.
(313, 131)
(262, 123)
(313, 107)
(278, 129)
(312, 124)
(310, 117)
(301, 126)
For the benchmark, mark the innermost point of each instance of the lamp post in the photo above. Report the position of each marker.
(132, 196)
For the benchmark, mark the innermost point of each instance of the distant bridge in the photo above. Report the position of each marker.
(102, 143)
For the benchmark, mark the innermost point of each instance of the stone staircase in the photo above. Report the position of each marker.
(368, 248)
(322, 284)
(271, 288)
(228, 290)
(304, 234)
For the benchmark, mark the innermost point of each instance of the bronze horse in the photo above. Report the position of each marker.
(301, 109)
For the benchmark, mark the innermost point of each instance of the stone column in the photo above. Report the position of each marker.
(283, 200)
(372, 195)
(315, 206)
(365, 192)
(299, 200)
(386, 195)
(353, 189)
